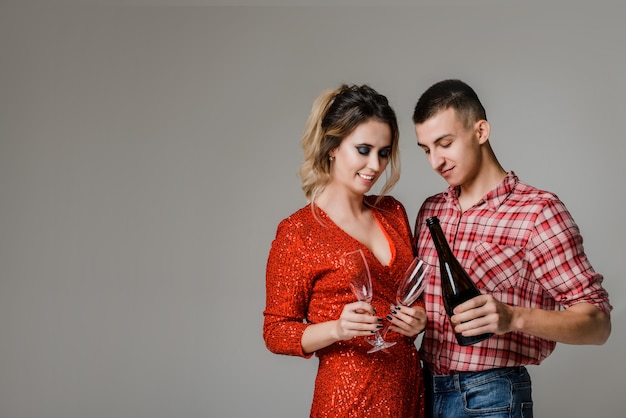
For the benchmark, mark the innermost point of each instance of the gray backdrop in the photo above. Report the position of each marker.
(147, 153)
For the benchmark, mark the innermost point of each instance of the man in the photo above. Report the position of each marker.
(521, 247)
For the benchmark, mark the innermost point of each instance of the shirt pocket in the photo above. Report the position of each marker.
(497, 267)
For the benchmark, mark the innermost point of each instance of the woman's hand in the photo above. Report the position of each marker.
(407, 320)
(357, 319)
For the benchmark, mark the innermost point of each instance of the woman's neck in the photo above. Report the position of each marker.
(341, 205)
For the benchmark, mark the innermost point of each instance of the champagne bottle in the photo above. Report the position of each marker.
(456, 285)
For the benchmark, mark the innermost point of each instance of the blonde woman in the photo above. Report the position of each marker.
(350, 141)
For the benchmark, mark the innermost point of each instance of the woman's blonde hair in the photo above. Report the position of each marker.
(334, 115)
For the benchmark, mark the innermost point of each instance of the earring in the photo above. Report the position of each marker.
(331, 158)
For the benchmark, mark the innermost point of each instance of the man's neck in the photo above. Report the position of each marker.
(472, 192)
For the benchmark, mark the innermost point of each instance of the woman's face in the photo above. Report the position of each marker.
(361, 157)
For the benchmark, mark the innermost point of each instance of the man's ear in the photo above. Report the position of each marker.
(483, 129)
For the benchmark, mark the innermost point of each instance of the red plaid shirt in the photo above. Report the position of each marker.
(519, 244)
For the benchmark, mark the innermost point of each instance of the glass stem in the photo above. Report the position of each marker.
(380, 334)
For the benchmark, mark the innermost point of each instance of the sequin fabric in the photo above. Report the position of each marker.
(305, 285)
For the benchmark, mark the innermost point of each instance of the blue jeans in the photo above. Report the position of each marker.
(496, 393)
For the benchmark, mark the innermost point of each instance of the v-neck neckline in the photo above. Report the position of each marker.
(378, 219)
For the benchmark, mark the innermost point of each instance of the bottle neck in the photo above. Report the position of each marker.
(441, 244)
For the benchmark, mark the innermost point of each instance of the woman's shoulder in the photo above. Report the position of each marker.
(301, 216)
(386, 203)
(391, 209)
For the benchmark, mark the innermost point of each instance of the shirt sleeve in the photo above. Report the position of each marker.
(288, 287)
(559, 261)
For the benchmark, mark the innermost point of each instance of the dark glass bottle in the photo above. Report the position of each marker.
(456, 285)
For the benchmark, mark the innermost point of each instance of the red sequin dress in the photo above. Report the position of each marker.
(305, 285)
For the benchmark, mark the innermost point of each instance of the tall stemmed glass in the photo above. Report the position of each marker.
(358, 271)
(360, 281)
(410, 288)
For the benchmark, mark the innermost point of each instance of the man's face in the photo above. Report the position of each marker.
(452, 149)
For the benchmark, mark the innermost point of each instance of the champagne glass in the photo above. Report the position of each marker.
(360, 282)
(358, 271)
(410, 288)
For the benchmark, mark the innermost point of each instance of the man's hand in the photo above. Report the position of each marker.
(582, 323)
(483, 314)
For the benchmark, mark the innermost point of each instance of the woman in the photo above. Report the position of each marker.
(350, 138)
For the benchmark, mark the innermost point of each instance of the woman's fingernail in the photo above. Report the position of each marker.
(380, 320)
(393, 312)
(379, 326)
(389, 317)
(398, 308)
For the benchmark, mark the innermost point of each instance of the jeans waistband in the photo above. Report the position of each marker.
(461, 380)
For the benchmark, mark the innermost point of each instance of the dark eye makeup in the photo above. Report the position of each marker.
(365, 150)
